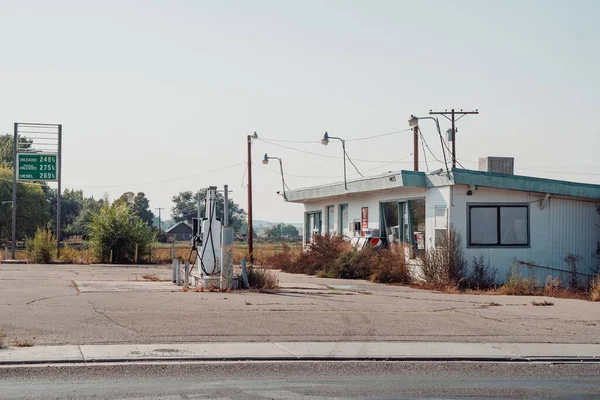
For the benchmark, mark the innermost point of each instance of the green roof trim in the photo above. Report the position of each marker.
(525, 183)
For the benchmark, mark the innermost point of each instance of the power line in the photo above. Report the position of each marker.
(329, 156)
(163, 180)
(347, 140)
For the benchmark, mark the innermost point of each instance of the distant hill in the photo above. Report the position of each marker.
(261, 226)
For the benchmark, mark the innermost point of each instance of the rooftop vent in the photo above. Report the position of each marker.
(499, 165)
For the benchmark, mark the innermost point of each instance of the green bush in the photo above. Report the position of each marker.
(118, 229)
(353, 264)
(41, 249)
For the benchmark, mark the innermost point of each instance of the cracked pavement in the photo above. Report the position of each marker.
(79, 304)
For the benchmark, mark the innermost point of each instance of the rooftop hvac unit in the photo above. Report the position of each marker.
(498, 165)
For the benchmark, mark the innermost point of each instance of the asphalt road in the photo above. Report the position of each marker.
(303, 380)
(75, 304)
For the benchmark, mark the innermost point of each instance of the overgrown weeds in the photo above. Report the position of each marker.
(482, 276)
(321, 254)
(445, 264)
(41, 249)
(2, 337)
(595, 288)
(390, 266)
(262, 278)
(518, 285)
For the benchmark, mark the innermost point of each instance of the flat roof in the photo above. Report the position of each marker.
(398, 179)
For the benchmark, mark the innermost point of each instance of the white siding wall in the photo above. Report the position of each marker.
(357, 201)
(563, 226)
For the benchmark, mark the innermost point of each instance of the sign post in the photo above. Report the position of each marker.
(37, 159)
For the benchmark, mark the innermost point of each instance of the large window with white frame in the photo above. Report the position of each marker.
(498, 225)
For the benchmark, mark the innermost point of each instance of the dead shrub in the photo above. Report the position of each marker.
(262, 278)
(151, 277)
(24, 343)
(280, 260)
(390, 267)
(2, 337)
(482, 276)
(518, 285)
(446, 263)
(542, 303)
(572, 261)
(595, 288)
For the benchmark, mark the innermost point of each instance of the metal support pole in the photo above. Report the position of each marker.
(186, 280)
(282, 178)
(178, 274)
(250, 239)
(59, 194)
(344, 148)
(14, 193)
(453, 142)
(174, 268)
(225, 206)
(416, 147)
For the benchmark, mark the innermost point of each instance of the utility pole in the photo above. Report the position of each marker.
(416, 147)
(159, 223)
(250, 244)
(453, 119)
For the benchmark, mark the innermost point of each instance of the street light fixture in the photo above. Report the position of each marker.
(325, 142)
(413, 122)
(265, 161)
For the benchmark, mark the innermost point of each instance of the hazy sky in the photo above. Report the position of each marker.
(158, 96)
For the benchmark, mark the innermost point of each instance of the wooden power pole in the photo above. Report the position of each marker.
(453, 119)
(416, 147)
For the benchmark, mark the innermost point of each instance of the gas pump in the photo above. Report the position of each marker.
(207, 241)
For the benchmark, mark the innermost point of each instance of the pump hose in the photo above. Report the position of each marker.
(210, 218)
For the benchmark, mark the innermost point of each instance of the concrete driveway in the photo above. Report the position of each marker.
(79, 304)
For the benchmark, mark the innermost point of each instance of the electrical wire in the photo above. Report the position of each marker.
(428, 148)
(450, 151)
(424, 152)
(349, 159)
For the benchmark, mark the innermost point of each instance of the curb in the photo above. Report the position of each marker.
(304, 351)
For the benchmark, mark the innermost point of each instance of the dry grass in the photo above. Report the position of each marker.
(24, 343)
(163, 255)
(2, 337)
(151, 277)
(542, 303)
(264, 253)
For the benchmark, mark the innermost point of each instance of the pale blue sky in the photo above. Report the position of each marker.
(148, 91)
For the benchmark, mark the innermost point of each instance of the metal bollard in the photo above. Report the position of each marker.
(178, 275)
(245, 274)
(186, 280)
(174, 267)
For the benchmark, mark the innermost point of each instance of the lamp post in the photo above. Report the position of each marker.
(266, 161)
(250, 232)
(325, 142)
